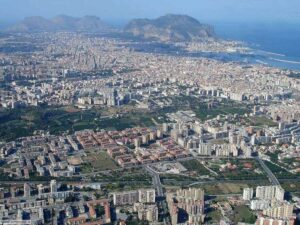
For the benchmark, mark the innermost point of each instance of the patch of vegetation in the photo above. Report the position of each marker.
(219, 189)
(239, 169)
(213, 216)
(280, 172)
(195, 165)
(288, 163)
(126, 179)
(100, 210)
(70, 198)
(86, 167)
(291, 186)
(260, 121)
(203, 112)
(201, 109)
(274, 155)
(243, 214)
(131, 220)
(127, 121)
(125, 186)
(177, 180)
(17, 123)
(98, 161)
(223, 188)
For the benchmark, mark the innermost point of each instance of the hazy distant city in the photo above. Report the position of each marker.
(158, 121)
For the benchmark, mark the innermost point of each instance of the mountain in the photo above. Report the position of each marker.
(169, 28)
(174, 28)
(35, 23)
(60, 23)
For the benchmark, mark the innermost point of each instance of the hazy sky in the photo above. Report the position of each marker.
(118, 10)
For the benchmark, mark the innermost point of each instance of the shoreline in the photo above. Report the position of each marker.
(286, 61)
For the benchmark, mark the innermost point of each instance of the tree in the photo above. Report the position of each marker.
(101, 210)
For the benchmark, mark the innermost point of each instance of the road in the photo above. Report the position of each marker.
(156, 181)
(269, 173)
(160, 192)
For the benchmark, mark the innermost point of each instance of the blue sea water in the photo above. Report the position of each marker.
(279, 42)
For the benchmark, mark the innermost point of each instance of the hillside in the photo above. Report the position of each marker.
(171, 27)
(60, 23)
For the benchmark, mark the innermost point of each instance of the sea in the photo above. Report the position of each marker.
(275, 44)
(272, 44)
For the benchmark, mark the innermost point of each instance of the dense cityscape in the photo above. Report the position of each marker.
(101, 128)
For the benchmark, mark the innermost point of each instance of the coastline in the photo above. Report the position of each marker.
(286, 61)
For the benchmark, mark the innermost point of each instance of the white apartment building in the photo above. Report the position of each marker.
(248, 194)
(275, 192)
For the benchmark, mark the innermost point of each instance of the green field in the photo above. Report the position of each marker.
(123, 179)
(241, 172)
(260, 121)
(128, 121)
(200, 107)
(243, 214)
(124, 175)
(216, 188)
(97, 161)
(224, 188)
(196, 166)
(177, 180)
(226, 108)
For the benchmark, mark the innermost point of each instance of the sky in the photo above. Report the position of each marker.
(123, 10)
